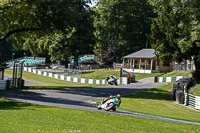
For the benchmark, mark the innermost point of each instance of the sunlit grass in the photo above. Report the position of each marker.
(177, 73)
(28, 118)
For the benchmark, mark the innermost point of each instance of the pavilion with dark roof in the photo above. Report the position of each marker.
(145, 61)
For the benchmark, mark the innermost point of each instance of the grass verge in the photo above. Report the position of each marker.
(156, 102)
(177, 73)
(102, 74)
(22, 117)
(51, 83)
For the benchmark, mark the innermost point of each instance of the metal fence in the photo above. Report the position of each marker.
(183, 67)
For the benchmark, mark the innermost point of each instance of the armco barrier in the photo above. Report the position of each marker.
(121, 80)
(192, 101)
(168, 79)
(3, 84)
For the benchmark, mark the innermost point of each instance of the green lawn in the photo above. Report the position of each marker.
(51, 83)
(156, 102)
(102, 74)
(177, 73)
(195, 90)
(28, 118)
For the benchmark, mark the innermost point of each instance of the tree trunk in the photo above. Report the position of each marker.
(66, 62)
(196, 74)
(75, 61)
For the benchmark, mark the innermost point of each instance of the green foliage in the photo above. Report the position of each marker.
(121, 27)
(175, 32)
(63, 27)
(164, 33)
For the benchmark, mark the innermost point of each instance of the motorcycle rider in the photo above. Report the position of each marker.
(117, 99)
(111, 79)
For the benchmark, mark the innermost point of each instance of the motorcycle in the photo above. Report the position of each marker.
(108, 105)
(112, 81)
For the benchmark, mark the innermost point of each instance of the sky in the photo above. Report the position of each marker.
(93, 2)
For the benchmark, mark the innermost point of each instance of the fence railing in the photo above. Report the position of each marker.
(192, 101)
(168, 79)
(183, 67)
(121, 80)
(3, 84)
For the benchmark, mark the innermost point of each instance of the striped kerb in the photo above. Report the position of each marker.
(173, 79)
(164, 79)
(87, 81)
(120, 80)
(72, 79)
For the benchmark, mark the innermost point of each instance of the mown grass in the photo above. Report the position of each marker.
(28, 118)
(195, 90)
(156, 102)
(93, 74)
(177, 73)
(51, 83)
(103, 73)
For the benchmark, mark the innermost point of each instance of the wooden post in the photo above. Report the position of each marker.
(140, 64)
(123, 62)
(133, 63)
(145, 64)
(131, 60)
(151, 64)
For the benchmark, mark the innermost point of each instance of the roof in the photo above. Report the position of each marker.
(144, 53)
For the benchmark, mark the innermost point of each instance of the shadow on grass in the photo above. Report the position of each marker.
(156, 94)
(50, 87)
(8, 105)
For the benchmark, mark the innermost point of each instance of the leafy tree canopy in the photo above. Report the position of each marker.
(175, 32)
(121, 27)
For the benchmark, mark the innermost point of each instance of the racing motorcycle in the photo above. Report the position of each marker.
(108, 105)
(112, 80)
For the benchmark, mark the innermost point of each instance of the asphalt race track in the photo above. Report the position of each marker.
(81, 98)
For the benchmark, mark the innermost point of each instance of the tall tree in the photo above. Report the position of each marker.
(175, 33)
(62, 27)
(78, 39)
(20, 18)
(122, 23)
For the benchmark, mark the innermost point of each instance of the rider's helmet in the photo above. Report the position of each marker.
(118, 96)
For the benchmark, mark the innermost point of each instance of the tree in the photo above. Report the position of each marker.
(62, 27)
(21, 18)
(175, 32)
(78, 39)
(122, 23)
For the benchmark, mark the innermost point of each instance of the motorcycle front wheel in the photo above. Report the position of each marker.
(110, 106)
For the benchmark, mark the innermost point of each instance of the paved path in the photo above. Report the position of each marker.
(77, 98)
(81, 98)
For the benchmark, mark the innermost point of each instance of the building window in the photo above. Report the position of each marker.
(158, 63)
